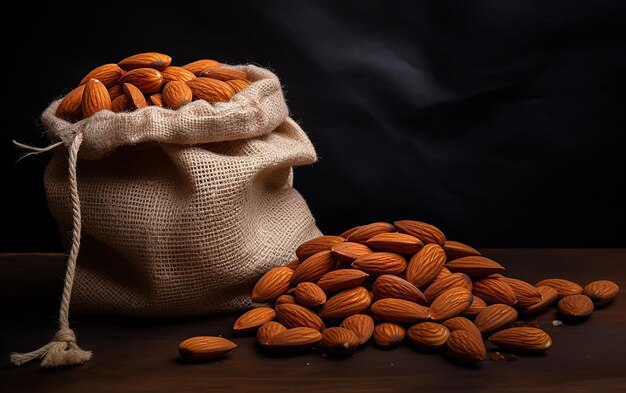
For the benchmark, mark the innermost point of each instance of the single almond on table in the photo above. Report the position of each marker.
(205, 347)
(295, 339)
(425, 232)
(474, 266)
(176, 94)
(253, 319)
(562, 286)
(461, 323)
(454, 280)
(285, 299)
(388, 335)
(223, 73)
(494, 290)
(575, 306)
(339, 341)
(196, 67)
(273, 284)
(174, 73)
(134, 97)
(269, 330)
(154, 60)
(425, 265)
(601, 291)
(390, 286)
(364, 232)
(548, 296)
(525, 293)
(399, 311)
(450, 303)
(360, 324)
(108, 74)
(345, 303)
(210, 90)
(295, 315)
(349, 251)
(70, 107)
(495, 317)
(464, 346)
(314, 267)
(147, 80)
(95, 98)
(428, 335)
(341, 279)
(309, 294)
(455, 250)
(400, 243)
(477, 306)
(238, 84)
(317, 244)
(524, 339)
(378, 263)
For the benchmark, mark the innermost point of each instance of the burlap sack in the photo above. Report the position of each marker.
(183, 210)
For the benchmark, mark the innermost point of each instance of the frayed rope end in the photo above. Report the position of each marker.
(61, 351)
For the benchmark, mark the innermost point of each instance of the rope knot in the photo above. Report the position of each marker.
(65, 335)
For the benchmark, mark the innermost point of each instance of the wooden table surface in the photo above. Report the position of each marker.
(141, 355)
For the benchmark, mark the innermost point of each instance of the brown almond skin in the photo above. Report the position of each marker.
(360, 324)
(477, 306)
(450, 304)
(522, 339)
(364, 232)
(388, 335)
(317, 244)
(339, 341)
(314, 267)
(134, 97)
(349, 251)
(575, 306)
(440, 286)
(174, 73)
(461, 323)
(251, 320)
(428, 335)
(427, 233)
(495, 317)
(601, 292)
(464, 346)
(108, 74)
(285, 299)
(147, 80)
(455, 250)
(378, 263)
(196, 67)
(205, 348)
(294, 315)
(391, 286)
(525, 293)
(425, 265)
(493, 290)
(70, 107)
(400, 243)
(269, 330)
(115, 91)
(272, 284)
(210, 90)
(295, 339)
(309, 295)
(238, 84)
(223, 73)
(176, 94)
(154, 60)
(350, 231)
(341, 279)
(346, 303)
(399, 311)
(475, 266)
(156, 100)
(95, 98)
(120, 104)
(562, 286)
(548, 296)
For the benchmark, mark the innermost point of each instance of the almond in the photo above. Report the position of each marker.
(134, 97)
(253, 319)
(294, 315)
(285, 299)
(120, 104)
(562, 286)
(601, 291)
(575, 306)
(238, 84)
(495, 317)
(210, 90)
(548, 296)
(223, 73)
(474, 266)
(115, 91)
(95, 98)
(273, 284)
(205, 347)
(295, 339)
(176, 94)
(390, 286)
(70, 107)
(428, 335)
(339, 341)
(364, 232)
(173, 73)
(461, 323)
(196, 67)
(494, 290)
(455, 250)
(309, 294)
(318, 244)
(388, 335)
(348, 232)
(464, 346)
(450, 303)
(452, 281)
(400, 243)
(425, 232)
(444, 272)
(147, 80)
(524, 339)
(399, 311)
(314, 267)
(108, 74)
(342, 305)
(156, 100)
(293, 264)
(340, 279)
(349, 251)
(477, 306)
(155, 60)
(360, 324)
(268, 330)
(525, 293)
(425, 265)
(381, 263)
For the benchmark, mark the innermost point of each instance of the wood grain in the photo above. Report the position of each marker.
(140, 355)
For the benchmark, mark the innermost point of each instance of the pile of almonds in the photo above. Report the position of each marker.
(148, 79)
(388, 282)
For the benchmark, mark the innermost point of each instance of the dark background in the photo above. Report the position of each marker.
(500, 122)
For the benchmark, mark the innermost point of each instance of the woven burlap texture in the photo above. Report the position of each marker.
(182, 211)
